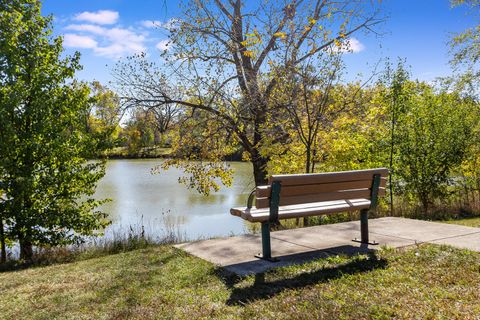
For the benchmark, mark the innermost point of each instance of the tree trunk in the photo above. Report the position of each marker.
(390, 176)
(314, 156)
(259, 169)
(425, 203)
(308, 165)
(308, 159)
(26, 250)
(3, 257)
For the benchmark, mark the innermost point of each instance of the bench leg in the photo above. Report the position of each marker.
(364, 225)
(266, 248)
(364, 228)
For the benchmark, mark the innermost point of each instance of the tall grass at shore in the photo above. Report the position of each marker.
(115, 240)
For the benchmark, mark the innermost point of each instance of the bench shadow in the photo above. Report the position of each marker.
(262, 289)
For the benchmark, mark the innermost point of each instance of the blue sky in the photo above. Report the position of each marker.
(105, 30)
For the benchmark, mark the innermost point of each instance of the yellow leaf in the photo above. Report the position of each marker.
(248, 53)
(259, 38)
(281, 35)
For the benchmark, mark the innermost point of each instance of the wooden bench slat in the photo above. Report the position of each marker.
(292, 190)
(296, 206)
(294, 211)
(318, 197)
(316, 178)
(312, 205)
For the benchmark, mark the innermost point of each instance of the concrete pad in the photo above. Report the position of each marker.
(334, 235)
(417, 230)
(234, 250)
(236, 254)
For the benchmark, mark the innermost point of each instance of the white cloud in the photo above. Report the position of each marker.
(171, 23)
(354, 45)
(115, 50)
(151, 23)
(163, 45)
(99, 17)
(351, 45)
(77, 41)
(87, 28)
(100, 32)
(168, 25)
(109, 42)
(122, 42)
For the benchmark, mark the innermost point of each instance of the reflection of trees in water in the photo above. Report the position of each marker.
(171, 220)
(197, 199)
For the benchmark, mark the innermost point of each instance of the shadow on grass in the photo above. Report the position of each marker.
(263, 289)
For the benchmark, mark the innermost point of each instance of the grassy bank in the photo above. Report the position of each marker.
(470, 222)
(161, 282)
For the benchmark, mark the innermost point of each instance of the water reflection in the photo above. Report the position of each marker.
(140, 197)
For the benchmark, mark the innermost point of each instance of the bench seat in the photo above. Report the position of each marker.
(301, 210)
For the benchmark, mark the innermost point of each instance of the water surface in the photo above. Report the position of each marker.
(153, 200)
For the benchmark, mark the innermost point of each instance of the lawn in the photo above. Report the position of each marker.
(162, 282)
(470, 222)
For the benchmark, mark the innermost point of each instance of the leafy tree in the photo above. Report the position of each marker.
(466, 52)
(433, 138)
(229, 59)
(104, 114)
(141, 84)
(355, 138)
(139, 132)
(396, 98)
(470, 167)
(467, 43)
(309, 104)
(47, 182)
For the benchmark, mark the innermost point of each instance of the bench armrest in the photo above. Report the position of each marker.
(252, 195)
(250, 198)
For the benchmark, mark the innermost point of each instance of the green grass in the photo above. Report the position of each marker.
(470, 222)
(161, 282)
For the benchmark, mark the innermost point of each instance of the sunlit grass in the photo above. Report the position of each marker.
(162, 282)
(470, 222)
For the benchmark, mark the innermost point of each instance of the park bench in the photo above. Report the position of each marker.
(305, 195)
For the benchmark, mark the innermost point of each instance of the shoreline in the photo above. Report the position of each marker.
(154, 153)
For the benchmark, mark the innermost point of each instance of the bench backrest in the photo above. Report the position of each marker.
(316, 187)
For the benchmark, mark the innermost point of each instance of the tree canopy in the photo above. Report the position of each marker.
(231, 59)
(465, 48)
(47, 182)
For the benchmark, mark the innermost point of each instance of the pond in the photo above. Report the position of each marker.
(158, 202)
